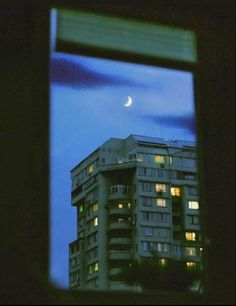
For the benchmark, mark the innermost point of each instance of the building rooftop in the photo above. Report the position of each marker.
(159, 141)
(139, 139)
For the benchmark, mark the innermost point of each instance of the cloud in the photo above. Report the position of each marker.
(76, 75)
(181, 121)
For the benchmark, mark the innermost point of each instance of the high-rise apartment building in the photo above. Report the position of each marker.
(133, 196)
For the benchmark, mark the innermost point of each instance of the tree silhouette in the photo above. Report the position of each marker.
(151, 275)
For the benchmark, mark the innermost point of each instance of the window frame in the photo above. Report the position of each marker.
(32, 154)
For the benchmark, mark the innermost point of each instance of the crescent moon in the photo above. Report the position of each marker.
(129, 102)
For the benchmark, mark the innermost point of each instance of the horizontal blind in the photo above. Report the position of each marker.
(123, 35)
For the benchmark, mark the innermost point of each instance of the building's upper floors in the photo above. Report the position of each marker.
(153, 158)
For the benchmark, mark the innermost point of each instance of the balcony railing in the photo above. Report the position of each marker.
(119, 211)
(120, 225)
(120, 255)
(120, 240)
(119, 189)
(119, 192)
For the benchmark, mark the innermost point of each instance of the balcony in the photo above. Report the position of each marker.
(120, 255)
(119, 192)
(119, 225)
(119, 211)
(120, 240)
(115, 271)
(120, 286)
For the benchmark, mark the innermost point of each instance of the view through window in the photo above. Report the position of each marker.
(124, 195)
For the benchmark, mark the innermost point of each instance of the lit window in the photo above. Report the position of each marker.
(129, 205)
(95, 207)
(120, 220)
(120, 205)
(81, 208)
(163, 261)
(159, 159)
(191, 251)
(190, 236)
(162, 247)
(171, 160)
(161, 187)
(175, 191)
(191, 264)
(95, 221)
(161, 202)
(90, 168)
(96, 266)
(193, 205)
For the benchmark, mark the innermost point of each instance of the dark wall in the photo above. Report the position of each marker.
(25, 144)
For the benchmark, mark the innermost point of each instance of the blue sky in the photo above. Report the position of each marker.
(87, 107)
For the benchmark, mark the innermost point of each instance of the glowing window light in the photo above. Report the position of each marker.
(161, 202)
(193, 205)
(160, 159)
(163, 262)
(191, 264)
(175, 191)
(190, 236)
(90, 168)
(95, 207)
(191, 251)
(95, 221)
(161, 187)
(96, 267)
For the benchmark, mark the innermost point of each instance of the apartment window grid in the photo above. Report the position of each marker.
(192, 191)
(191, 251)
(92, 239)
(159, 187)
(74, 276)
(154, 246)
(93, 282)
(156, 217)
(152, 232)
(119, 189)
(92, 254)
(159, 159)
(177, 249)
(152, 172)
(148, 231)
(146, 201)
(190, 236)
(193, 220)
(175, 191)
(147, 187)
(92, 268)
(162, 233)
(191, 265)
(193, 205)
(161, 202)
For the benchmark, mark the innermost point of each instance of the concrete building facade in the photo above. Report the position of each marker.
(133, 196)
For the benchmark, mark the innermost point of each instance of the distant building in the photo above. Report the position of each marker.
(133, 196)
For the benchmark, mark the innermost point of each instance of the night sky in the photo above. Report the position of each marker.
(87, 108)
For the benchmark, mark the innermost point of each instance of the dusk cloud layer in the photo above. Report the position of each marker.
(184, 121)
(75, 75)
